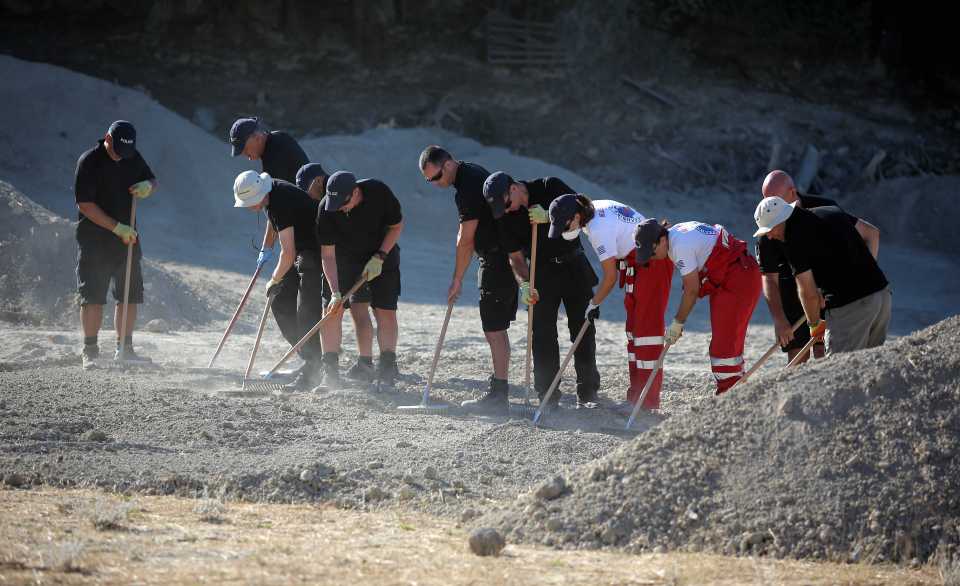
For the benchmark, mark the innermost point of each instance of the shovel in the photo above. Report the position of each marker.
(563, 366)
(236, 316)
(425, 405)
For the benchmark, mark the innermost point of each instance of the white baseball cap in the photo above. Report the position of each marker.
(250, 187)
(770, 213)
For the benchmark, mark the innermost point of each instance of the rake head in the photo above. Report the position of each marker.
(425, 408)
(522, 410)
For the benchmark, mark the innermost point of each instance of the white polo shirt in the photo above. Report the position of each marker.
(691, 244)
(612, 228)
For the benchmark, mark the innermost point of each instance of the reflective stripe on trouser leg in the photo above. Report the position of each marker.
(650, 293)
(731, 307)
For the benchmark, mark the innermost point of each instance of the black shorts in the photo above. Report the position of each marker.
(793, 310)
(381, 293)
(100, 260)
(498, 307)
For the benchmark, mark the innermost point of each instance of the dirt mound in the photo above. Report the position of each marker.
(38, 281)
(852, 458)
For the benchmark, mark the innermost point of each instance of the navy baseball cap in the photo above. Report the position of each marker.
(124, 137)
(339, 188)
(646, 237)
(307, 173)
(562, 211)
(240, 131)
(494, 188)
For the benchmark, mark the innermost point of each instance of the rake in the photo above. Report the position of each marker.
(563, 366)
(425, 405)
(236, 316)
(766, 355)
(126, 292)
(646, 389)
(256, 386)
(526, 410)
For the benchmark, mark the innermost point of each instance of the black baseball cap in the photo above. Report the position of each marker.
(646, 237)
(339, 188)
(240, 131)
(307, 173)
(562, 211)
(494, 188)
(124, 137)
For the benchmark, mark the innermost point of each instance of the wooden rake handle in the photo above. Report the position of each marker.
(647, 386)
(766, 355)
(436, 352)
(313, 331)
(256, 343)
(556, 379)
(533, 280)
(803, 352)
(126, 281)
(236, 316)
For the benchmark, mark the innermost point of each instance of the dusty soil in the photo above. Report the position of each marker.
(88, 537)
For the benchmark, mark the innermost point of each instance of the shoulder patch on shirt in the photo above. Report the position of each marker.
(680, 264)
(708, 230)
(601, 250)
(627, 214)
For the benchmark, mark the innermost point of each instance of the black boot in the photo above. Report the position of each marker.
(362, 371)
(554, 402)
(307, 377)
(90, 355)
(331, 372)
(495, 402)
(587, 396)
(387, 371)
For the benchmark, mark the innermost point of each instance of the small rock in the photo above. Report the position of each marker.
(307, 475)
(94, 435)
(361, 416)
(157, 326)
(403, 444)
(660, 549)
(375, 465)
(551, 489)
(469, 515)
(407, 493)
(375, 493)
(486, 541)
(825, 533)
(554, 524)
(430, 473)
(15, 480)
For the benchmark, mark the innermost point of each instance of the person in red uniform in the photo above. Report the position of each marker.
(610, 227)
(711, 263)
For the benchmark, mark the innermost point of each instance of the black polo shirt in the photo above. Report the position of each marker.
(825, 241)
(282, 156)
(290, 206)
(770, 253)
(515, 226)
(105, 182)
(358, 234)
(471, 205)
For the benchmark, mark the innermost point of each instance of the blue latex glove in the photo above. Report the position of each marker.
(266, 255)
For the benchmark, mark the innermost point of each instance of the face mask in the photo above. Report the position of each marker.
(571, 235)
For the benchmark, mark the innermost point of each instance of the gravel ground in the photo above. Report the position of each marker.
(852, 458)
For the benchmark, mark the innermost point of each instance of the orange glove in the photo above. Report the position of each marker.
(818, 329)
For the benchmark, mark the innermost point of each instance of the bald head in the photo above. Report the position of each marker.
(779, 184)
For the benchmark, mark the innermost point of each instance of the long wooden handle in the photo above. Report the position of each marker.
(563, 366)
(766, 355)
(533, 280)
(236, 315)
(647, 386)
(803, 352)
(126, 281)
(256, 343)
(313, 331)
(436, 352)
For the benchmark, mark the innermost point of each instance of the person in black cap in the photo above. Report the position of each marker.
(108, 177)
(281, 158)
(291, 212)
(498, 289)
(358, 225)
(564, 275)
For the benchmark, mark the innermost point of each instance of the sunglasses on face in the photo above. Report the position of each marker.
(436, 177)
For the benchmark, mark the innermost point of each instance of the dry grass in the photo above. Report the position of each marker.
(46, 537)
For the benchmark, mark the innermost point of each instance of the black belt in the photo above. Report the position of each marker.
(564, 258)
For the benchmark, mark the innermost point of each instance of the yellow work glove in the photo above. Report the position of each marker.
(126, 233)
(527, 295)
(538, 215)
(273, 287)
(373, 268)
(818, 329)
(141, 190)
(336, 303)
(673, 333)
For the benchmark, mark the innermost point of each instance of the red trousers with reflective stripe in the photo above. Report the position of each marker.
(731, 278)
(646, 294)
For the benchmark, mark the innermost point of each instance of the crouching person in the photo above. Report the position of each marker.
(711, 263)
(291, 212)
(358, 225)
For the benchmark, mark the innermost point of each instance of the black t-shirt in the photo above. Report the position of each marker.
(770, 253)
(290, 206)
(105, 182)
(515, 226)
(282, 156)
(358, 234)
(825, 241)
(471, 205)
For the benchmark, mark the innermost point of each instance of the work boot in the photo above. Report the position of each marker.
(587, 397)
(554, 399)
(130, 356)
(362, 370)
(387, 371)
(307, 377)
(331, 373)
(495, 402)
(89, 356)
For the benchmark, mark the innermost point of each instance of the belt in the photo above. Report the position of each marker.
(563, 258)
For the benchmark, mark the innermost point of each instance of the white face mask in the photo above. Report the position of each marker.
(571, 235)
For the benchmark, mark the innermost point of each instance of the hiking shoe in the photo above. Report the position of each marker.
(89, 356)
(587, 399)
(387, 372)
(129, 355)
(362, 372)
(306, 378)
(554, 400)
(495, 402)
